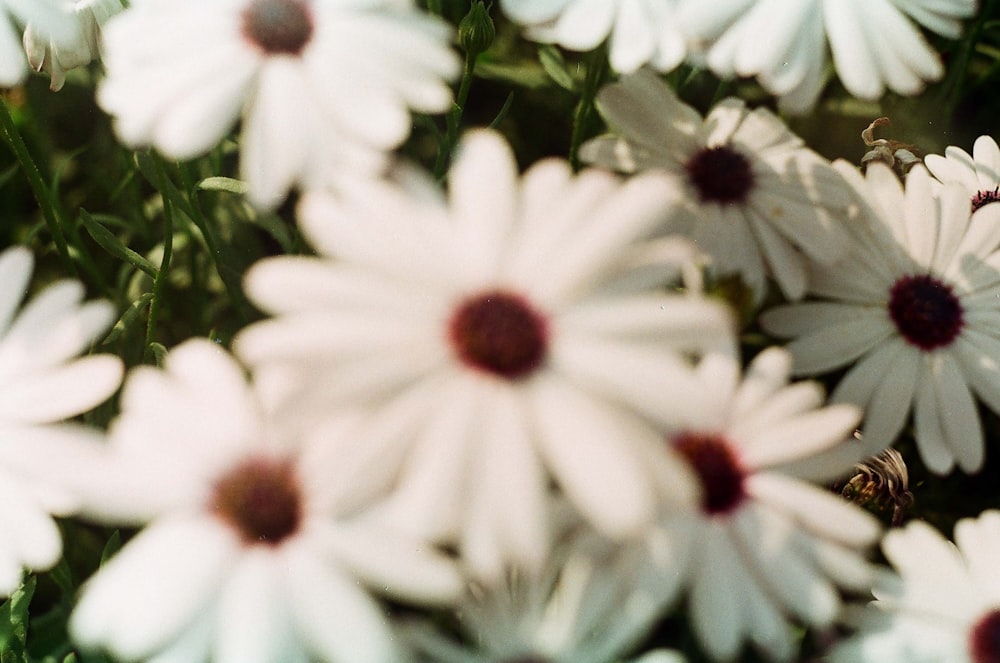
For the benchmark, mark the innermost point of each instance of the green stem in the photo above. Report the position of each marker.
(595, 63)
(38, 186)
(161, 274)
(454, 119)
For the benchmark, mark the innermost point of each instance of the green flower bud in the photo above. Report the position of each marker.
(476, 31)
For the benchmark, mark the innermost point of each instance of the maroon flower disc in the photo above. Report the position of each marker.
(261, 499)
(718, 468)
(925, 311)
(278, 27)
(721, 175)
(499, 332)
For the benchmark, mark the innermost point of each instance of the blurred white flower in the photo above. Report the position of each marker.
(50, 17)
(757, 200)
(874, 43)
(639, 31)
(941, 605)
(324, 88)
(46, 53)
(255, 546)
(914, 308)
(766, 542)
(40, 384)
(502, 334)
(979, 173)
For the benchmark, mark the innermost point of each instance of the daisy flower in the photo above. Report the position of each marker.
(943, 602)
(49, 18)
(502, 335)
(41, 383)
(766, 542)
(322, 87)
(255, 545)
(757, 200)
(874, 43)
(638, 31)
(914, 308)
(979, 174)
(55, 57)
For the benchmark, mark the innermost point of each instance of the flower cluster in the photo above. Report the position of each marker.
(357, 407)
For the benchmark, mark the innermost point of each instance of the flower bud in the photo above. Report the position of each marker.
(476, 31)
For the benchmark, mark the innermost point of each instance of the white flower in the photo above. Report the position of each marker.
(979, 174)
(502, 334)
(915, 306)
(640, 31)
(48, 16)
(323, 87)
(255, 546)
(57, 57)
(578, 609)
(784, 44)
(766, 543)
(944, 604)
(758, 201)
(40, 384)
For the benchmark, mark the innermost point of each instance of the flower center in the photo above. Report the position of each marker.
(984, 639)
(984, 198)
(278, 27)
(721, 175)
(499, 332)
(925, 311)
(261, 499)
(713, 460)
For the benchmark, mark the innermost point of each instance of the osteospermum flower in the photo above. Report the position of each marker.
(501, 334)
(639, 31)
(757, 200)
(49, 17)
(765, 542)
(41, 383)
(874, 43)
(46, 53)
(914, 309)
(323, 87)
(943, 602)
(255, 545)
(979, 173)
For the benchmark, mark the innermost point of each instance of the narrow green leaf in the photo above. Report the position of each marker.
(110, 243)
(113, 545)
(555, 66)
(128, 318)
(226, 184)
(159, 353)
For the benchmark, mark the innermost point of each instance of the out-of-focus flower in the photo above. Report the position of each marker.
(503, 335)
(767, 543)
(57, 57)
(639, 31)
(943, 602)
(874, 43)
(50, 17)
(757, 200)
(979, 173)
(324, 88)
(256, 546)
(914, 309)
(42, 383)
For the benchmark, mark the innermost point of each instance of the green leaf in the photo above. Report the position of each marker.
(110, 243)
(128, 318)
(226, 184)
(555, 66)
(159, 353)
(114, 543)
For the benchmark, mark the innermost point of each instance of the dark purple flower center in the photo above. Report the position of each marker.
(261, 499)
(718, 468)
(499, 332)
(721, 175)
(984, 639)
(278, 27)
(925, 311)
(984, 198)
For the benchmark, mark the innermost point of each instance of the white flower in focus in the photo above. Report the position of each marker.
(944, 604)
(979, 173)
(324, 88)
(500, 334)
(640, 31)
(51, 17)
(914, 308)
(874, 43)
(42, 383)
(767, 542)
(255, 546)
(758, 201)
(47, 54)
